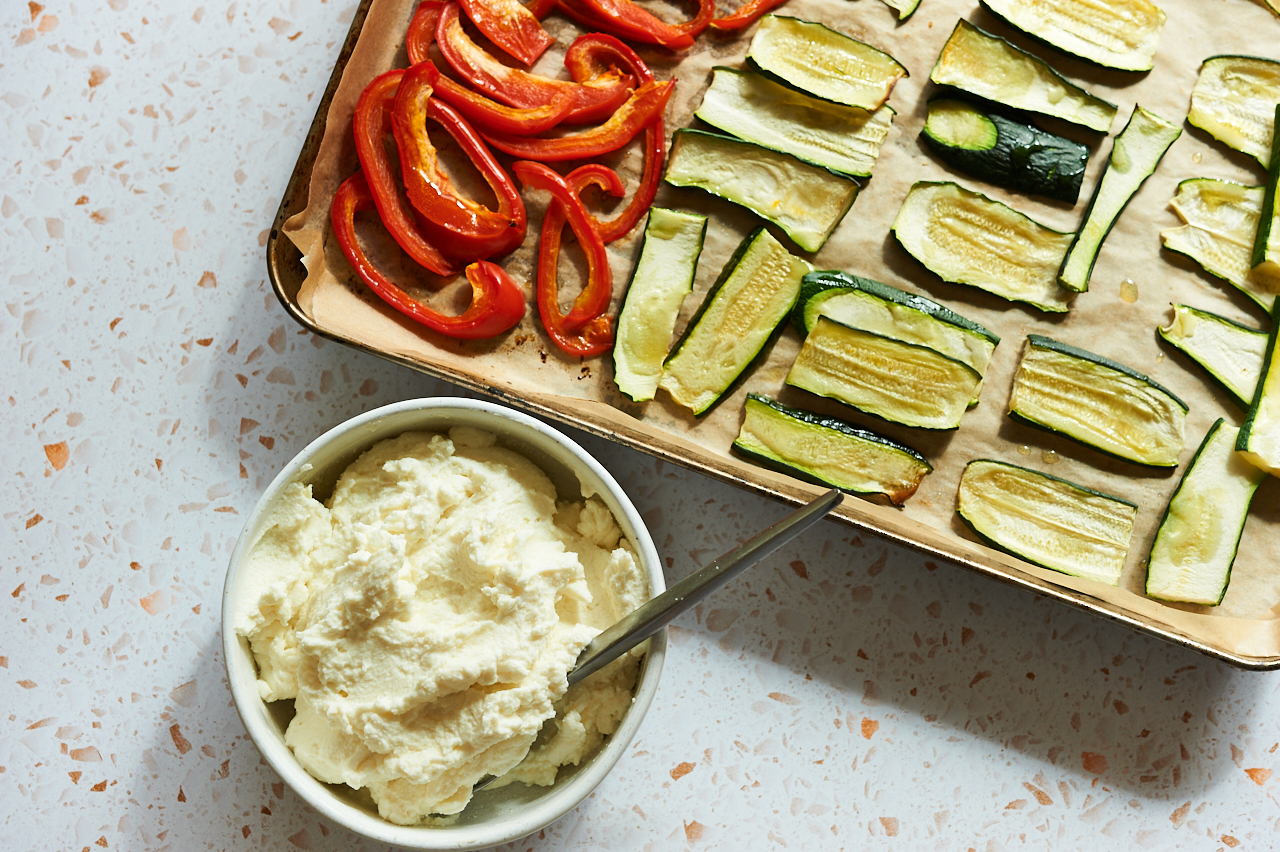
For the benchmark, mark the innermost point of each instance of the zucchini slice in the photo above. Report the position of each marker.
(750, 106)
(662, 277)
(1117, 34)
(1232, 353)
(893, 313)
(1234, 101)
(966, 238)
(988, 66)
(904, 8)
(755, 292)
(827, 64)
(900, 382)
(1266, 244)
(1134, 156)
(806, 201)
(1199, 535)
(1259, 440)
(828, 450)
(1046, 520)
(1098, 402)
(1222, 221)
(1004, 152)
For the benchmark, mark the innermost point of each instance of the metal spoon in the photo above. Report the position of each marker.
(651, 617)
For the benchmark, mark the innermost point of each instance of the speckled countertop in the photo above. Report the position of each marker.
(846, 694)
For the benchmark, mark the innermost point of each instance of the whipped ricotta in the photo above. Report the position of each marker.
(424, 621)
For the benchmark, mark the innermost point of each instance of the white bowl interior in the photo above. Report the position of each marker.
(494, 816)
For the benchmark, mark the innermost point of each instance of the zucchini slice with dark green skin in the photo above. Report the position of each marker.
(896, 381)
(1119, 34)
(888, 311)
(1048, 521)
(661, 279)
(1230, 352)
(966, 238)
(829, 451)
(1221, 223)
(985, 65)
(1234, 101)
(1266, 244)
(752, 107)
(827, 64)
(1004, 152)
(1097, 402)
(904, 8)
(1134, 156)
(1259, 440)
(755, 292)
(806, 201)
(1199, 535)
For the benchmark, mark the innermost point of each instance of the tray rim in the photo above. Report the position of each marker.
(283, 265)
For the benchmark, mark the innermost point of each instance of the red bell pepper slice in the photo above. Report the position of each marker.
(483, 113)
(370, 125)
(626, 19)
(510, 26)
(588, 55)
(645, 105)
(497, 301)
(585, 330)
(594, 100)
(463, 227)
(746, 15)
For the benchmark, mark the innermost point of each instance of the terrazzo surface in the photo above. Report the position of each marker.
(845, 695)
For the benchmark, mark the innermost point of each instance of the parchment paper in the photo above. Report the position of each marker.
(524, 364)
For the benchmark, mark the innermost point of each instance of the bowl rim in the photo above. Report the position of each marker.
(565, 794)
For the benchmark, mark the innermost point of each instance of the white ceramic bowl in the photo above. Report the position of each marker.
(494, 816)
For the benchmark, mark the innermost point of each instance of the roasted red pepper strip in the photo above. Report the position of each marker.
(370, 126)
(585, 329)
(594, 100)
(485, 114)
(588, 55)
(626, 19)
(641, 109)
(510, 26)
(462, 227)
(541, 8)
(497, 302)
(748, 13)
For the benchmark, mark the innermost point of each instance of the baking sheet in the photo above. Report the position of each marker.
(524, 368)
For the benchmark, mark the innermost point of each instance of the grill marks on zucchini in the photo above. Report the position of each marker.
(966, 238)
(1046, 520)
(1134, 156)
(897, 381)
(806, 201)
(1004, 152)
(1234, 101)
(827, 64)
(990, 67)
(1221, 222)
(662, 277)
(752, 107)
(755, 292)
(1231, 353)
(828, 450)
(1199, 535)
(1097, 402)
(1116, 34)
(1259, 439)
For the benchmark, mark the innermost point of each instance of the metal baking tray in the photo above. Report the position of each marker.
(287, 273)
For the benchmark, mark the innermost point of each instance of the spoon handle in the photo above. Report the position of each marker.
(652, 616)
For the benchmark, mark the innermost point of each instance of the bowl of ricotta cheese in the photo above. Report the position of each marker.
(402, 608)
